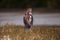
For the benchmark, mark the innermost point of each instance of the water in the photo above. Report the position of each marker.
(39, 19)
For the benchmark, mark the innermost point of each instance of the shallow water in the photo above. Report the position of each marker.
(39, 19)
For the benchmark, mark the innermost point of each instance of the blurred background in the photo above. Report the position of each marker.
(22, 4)
(33, 3)
(45, 12)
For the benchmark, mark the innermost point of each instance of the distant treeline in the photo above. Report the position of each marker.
(29, 3)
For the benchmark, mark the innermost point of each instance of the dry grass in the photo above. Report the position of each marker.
(13, 32)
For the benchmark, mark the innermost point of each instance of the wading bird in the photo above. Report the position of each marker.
(28, 18)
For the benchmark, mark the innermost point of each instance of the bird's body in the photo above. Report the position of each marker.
(28, 21)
